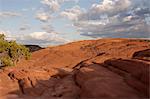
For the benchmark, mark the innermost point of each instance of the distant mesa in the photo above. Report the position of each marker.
(34, 48)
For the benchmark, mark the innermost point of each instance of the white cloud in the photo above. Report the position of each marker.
(112, 18)
(49, 7)
(24, 27)
(42, 38)
(54, 5)
(7, 14)
(36, 38)
(111, 6)
(44, 17)
(48, 28)
(25, 9)
(128, 18)
(8, 35)
(46, 14)
(73, 13)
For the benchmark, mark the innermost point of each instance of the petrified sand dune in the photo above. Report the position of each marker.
(101, 69)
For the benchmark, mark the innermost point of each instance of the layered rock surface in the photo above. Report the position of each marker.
(101, 69)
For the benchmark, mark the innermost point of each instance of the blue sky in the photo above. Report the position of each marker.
(52, 22)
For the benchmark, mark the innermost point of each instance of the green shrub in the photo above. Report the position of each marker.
(17, 51)
(13, 51)
(2, 36)
(3, 46)
(6, 61)
(25, 52)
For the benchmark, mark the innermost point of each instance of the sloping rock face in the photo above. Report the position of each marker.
(144, 54)
(99, 69)
(117, 78)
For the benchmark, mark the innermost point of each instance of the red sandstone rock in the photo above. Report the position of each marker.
(102, 68)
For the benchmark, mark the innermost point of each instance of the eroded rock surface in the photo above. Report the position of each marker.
(99, 69)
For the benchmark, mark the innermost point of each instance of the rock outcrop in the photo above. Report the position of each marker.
(33, 48)
(99, 69)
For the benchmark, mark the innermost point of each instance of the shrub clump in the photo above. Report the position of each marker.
(6, 61)
(11, 52)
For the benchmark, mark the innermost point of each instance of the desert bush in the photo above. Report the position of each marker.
(3, 46)
(14, 51)
(6, 61)
(17, 51)
(2, 36)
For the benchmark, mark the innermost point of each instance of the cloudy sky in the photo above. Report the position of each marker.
(52, 22)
